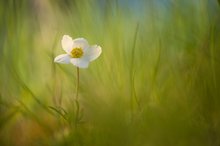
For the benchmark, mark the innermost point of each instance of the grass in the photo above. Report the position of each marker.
(156, 82)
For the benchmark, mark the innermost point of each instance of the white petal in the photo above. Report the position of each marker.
(80, 62)
(63, 58)
(80, 42)
(67, 43)
(93, 52)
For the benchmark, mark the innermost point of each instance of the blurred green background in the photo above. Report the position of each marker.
(156, 83)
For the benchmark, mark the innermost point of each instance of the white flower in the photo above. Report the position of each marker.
(78, 52)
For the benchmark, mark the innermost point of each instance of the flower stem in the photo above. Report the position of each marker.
(77, 99)
(77, 83)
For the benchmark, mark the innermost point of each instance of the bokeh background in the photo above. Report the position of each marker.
(156, 83)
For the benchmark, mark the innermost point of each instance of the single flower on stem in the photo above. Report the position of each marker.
(78, 52)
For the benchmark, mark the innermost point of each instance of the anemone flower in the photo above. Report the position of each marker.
(78, 52)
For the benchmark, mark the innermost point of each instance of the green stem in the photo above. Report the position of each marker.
(77, 83)
(77, 99)
(134, 98)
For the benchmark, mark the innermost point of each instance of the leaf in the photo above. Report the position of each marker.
(59, 111)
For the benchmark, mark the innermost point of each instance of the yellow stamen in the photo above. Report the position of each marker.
(77, 52)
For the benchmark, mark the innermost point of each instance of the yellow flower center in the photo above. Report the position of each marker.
(77, 52)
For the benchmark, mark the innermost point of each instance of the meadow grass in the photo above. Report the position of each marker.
(156, 82)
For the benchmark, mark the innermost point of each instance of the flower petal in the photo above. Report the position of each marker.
(93, 52)
(67, 43)
(63, 58)
(80, 62)
(80, 42)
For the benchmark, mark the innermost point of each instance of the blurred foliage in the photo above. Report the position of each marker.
(156, 83)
